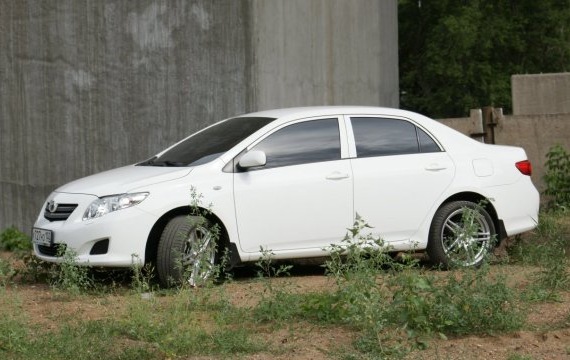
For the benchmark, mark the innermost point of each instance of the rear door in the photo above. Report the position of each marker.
(399, 172)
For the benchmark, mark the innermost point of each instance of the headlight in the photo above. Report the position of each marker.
(112, 203)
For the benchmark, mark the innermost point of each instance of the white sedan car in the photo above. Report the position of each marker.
(290, 181)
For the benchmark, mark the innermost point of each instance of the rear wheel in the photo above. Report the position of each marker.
(186, 251)
(461, 235)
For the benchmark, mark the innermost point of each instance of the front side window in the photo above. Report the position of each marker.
(302, 143)
(383, 137)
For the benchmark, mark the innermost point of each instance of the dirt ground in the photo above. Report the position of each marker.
(546, 335)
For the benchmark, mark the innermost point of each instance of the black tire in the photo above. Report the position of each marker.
(186, 251)
(462, 234)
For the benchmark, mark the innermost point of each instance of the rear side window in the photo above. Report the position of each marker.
(302, 143)
(427, 144)
(383, 137)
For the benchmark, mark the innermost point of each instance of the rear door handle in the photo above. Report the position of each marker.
(337, 175)
(435, 167)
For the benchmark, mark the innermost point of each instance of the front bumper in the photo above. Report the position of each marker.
(125, 230)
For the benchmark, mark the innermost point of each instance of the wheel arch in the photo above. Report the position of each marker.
(477, 198)
(151, 248)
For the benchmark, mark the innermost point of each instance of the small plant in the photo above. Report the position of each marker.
(198, 260)
(142, 276)
(34, 270)
(557, 176)
(358, 253)
(276, 303)
(361, 299)
(70, 276)
(13, 239)
(7, 272)
(265, 266)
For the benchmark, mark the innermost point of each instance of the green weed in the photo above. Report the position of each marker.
(557, 177)
(142, 276)
(7, 272)
(69, 276)
(382, 298)
(13, 239)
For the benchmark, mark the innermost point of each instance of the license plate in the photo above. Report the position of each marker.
(42, 237)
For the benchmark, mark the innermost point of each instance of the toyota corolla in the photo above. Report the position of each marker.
(291, 181)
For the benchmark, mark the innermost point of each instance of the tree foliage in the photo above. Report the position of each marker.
(459, 55)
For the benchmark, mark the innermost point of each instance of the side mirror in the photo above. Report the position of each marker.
(253, 158)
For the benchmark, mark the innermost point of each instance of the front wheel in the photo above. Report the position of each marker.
(186, 251)
(462, 234)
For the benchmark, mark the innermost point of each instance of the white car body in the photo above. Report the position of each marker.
(297, 211)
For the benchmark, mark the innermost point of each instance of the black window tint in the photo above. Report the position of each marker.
(210, 143)
(380, 137)
(302, 143)
(427, 144)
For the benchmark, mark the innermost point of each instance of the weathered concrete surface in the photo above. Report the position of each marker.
(541, 94)
(90, 85)
(325, 52)
(87, 86)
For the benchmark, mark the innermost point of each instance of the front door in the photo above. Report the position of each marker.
(301, 200)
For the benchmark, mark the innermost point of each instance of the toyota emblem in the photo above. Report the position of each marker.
(51, 206)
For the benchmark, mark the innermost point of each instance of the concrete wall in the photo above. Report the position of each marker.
(325, 52)
(90, 85)
(539, 94)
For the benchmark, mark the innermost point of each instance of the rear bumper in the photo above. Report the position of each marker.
(517, 206)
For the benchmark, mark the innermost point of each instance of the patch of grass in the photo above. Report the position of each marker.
(13, 331)
(464, 302)
(382, 299)
(519, 357)
(183, 324)
(546, 248)
(391, 307)
(178, 328)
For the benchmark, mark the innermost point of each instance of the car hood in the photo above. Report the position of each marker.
(124, 179)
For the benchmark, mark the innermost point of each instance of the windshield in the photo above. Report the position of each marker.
(210, 143)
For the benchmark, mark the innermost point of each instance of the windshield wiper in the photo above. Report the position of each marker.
(148, 162)
(168, 163)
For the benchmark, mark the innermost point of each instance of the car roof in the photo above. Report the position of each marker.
(309, 111)
(453, 138)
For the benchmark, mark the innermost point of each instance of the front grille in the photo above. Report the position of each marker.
(52, 250)
(61, 213)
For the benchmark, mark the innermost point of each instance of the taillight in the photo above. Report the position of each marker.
(524, 167)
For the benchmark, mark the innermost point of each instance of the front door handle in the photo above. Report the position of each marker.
(337, 175)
